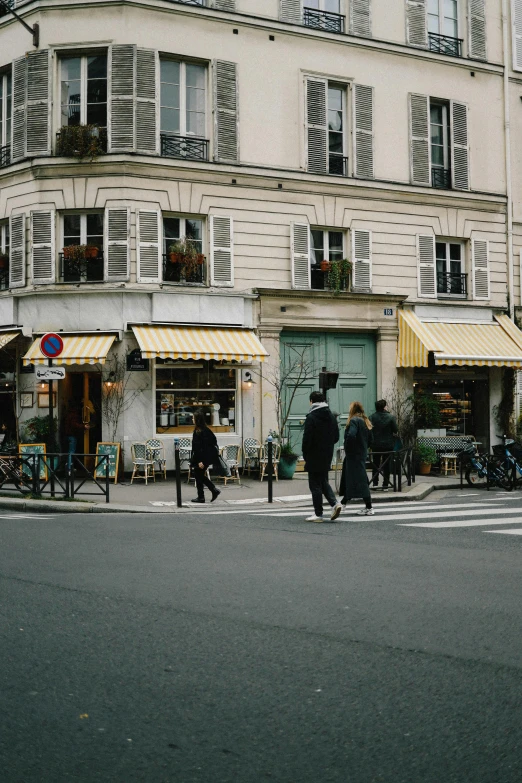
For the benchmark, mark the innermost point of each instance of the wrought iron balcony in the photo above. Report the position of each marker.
(175, 272)
(201, 3)
(338, 165)
(81, 141)
(441, 178)
(452, 284)
(4, 272)
(323, 20)
(183, 147)
(445, 44)
(81, 268)
(5, 156)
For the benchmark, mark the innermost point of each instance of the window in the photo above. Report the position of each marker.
(4, 256)
(5, 118)
(182, 389)
(324, 15)
(325, 247)
(183, 110)
(440, 145)
(450, 262)
(81, 259)
(175, 268)
(443, 27)
(84, 90)
(337, 163)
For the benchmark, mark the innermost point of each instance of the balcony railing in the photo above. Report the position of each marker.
(4, 272)
(452, 284)
(5, 156)
(81, 141)
(323, 20)
(338, 165)
(184, 147)
(174, 272)
(441, 178)
(445, 44)
(320, 280)
(202, 3)
(81, 270)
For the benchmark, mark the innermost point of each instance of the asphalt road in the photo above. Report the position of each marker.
(235, 647)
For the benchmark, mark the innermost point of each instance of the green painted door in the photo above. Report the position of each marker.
(353, 356)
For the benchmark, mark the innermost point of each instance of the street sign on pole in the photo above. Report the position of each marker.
(50, 373)
(51, 345)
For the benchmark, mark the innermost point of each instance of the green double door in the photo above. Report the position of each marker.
(303, 354)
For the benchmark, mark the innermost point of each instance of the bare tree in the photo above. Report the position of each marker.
(117, 396)
(401, 404)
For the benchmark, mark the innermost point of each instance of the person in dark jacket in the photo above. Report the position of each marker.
(321, 433)
(204, 453)
(384, 435)
(357, 439)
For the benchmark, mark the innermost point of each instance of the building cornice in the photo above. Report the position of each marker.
(348, 298)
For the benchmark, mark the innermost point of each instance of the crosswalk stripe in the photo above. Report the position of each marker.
(515, 531)
(381, 507)
(20, 516)
(413, 512)
(464, 523)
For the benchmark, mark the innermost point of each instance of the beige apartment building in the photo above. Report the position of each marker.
(280, 137)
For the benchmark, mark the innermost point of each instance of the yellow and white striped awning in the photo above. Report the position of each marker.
(77, 349)
(195, 342)
(6, 337)
(495, 344)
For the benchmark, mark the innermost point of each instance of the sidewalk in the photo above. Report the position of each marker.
(160, 496)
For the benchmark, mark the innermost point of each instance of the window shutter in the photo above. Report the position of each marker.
(43, 246)
(363, 113)
(38, 134)
(459, 145)
(17, 251)
(146, 101)
(477, 29)
(427, 266)
(516, 17)
(226, 112)
(300, 255)
(362, 259)
(19, 111)
(317, 125)
(148, 242)
(117, 233)
(480, 253)
(221, 251)
(420, 140)
(290, 11)
(416, 26)
(225, 5)
(360, 18)
(121, 116)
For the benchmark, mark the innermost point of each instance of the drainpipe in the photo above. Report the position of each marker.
(507, 140)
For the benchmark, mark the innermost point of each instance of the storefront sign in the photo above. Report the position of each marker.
(135, 361)
(50, 373)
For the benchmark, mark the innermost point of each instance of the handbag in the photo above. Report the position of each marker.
(219, 466)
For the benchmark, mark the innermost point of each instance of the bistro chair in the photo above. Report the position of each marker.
(185, 451)
(141, 461)
(251, 453)
(232, 456)
(263, 460)
(156, 452)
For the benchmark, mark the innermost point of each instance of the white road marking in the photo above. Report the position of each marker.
(516, 531)
(385, 508)
(24, 516)
(411, 515)
(466, 523)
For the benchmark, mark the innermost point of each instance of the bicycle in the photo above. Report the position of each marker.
(483, 469)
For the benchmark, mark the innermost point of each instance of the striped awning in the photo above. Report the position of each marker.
(193, 342)
(494, 344)
(77, 349)
(6, 337)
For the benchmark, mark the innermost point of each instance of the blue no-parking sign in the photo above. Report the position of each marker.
(51, 345)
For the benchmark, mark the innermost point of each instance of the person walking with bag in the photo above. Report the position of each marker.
(205, 452)
(357, 439)
(384, 438)
(321, 433)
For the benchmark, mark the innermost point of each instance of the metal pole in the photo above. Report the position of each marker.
(107, 482)
(399, 466)
(51, 429)
(270, 469)
(177, 461)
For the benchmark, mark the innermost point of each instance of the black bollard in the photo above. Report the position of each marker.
(177, 461)
(270, 469)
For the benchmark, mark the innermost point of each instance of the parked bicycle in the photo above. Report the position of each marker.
(483, 469)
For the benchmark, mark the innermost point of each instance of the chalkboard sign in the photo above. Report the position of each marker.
(33, 448)
(135, 361)
(113, 450)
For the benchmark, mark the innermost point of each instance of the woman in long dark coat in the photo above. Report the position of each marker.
(357, 439)
(204, 453)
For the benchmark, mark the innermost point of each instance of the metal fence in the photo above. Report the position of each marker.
(56, 475)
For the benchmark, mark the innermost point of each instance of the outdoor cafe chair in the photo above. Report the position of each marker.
(231, 453)
(251, 454)
(141, 461)
(263, 460)
(156, 452)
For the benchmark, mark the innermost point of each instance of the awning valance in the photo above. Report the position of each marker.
(495, 344)
(77, 349)
(193, 342)
(6, 337)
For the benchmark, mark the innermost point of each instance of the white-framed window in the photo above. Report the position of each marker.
(450, 265)
(443, 17)
(183, 98)
(179, 231)
(81, 257)
(324, 15)
(4, 255)
(83, 90)
(440, 144)
(337, 143)
(326, 246)
(5, 113)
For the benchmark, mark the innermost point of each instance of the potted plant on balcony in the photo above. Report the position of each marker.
(91, 251)
(339, 275)
(80, 141)
(428, 456)
(325, 266)
(75, 258)
(185, 252)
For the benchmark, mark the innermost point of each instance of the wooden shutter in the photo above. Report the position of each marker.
(420, 140)
(146, 101)
(480, 253)
(363, 137)
(459, 145)
(362, 259)
(149, 246)
(43, 246)
(300, 255)
(17, 251)
(38, 134)
(416, 23)
(317, 125)
(226, 110)
(516, 21)
(19, 109)
(477, 29)
(122, 98)
(221, 251)
(225, 5)
(360, 18)
(117, 233)
(427, 269)
(290, 11)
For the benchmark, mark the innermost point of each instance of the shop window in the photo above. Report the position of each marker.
(4, 255)
(183, 260)
(81, 258)
(451, 279)
(325, 246)
(183, 389)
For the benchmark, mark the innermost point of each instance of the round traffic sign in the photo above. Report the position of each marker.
(51, 345)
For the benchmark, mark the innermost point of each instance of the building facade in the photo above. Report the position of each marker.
(233, 171)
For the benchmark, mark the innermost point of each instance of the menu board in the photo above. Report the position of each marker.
(25, 449)
(113, 450)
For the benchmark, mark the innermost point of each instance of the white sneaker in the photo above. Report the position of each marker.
(313, 518)
(365, 512)
(336, 510)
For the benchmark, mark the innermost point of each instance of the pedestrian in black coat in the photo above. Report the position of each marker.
(205, 452)
(384, 436)
(321, 433)
(357, 439)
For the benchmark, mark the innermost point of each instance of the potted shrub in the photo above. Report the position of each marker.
(91, 251)
(287, 461)
(339, 275)
(80, 141)
(428, 456)
(185, 252)
(325, 266)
